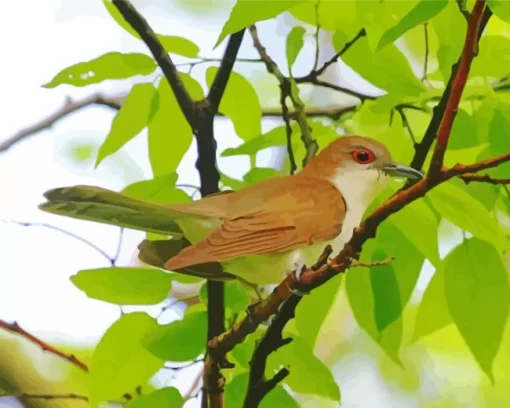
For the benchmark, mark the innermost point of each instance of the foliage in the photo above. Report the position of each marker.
(470, 284)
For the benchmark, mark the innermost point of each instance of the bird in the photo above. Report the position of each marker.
(261, 232)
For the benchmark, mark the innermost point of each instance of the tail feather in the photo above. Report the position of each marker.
(113, 208)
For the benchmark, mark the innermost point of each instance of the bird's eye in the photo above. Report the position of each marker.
(363, 156)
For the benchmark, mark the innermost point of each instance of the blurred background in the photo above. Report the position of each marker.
(40, 39)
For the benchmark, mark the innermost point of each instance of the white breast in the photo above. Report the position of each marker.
(359, 189)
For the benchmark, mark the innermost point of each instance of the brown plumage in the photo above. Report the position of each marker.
(278, 215)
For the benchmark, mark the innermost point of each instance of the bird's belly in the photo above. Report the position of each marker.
(271, 268)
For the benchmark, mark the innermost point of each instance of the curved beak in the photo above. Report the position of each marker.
(400, 170)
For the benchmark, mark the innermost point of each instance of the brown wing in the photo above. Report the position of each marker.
(283, 217)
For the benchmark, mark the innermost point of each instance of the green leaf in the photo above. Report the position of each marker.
(131, 119)
(463, 131)
(387, 69)
(433, 312)
(248, 12)
(476, 288)
(275, 137)
(419, 225)
(120, 362)
(124, 286)
(308, 374)
(450, 28)
(237, 298)
(500, 8)
(331, 16)
(295, 43)
(171, 43)
(170, 135)
(361, 299)
(461, 209)
(159, 190)
(257, 174)
(313, 309)
(422, 12)
(387, 303)
(168, 397)
(230, 182)
(243, 352)
(245, 116)
(113, 65)
(499, 139)
(493, 58)
(235, 392)
(181, 340)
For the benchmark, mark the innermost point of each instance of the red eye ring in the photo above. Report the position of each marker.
(363, 156)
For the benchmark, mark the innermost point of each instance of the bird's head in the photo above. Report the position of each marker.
(358, 153)
(358, 166)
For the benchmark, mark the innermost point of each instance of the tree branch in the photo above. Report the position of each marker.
(310, 278)
(68, 108)
(148, 36)
(272, 340)
(227, 63)
(48, 397)
(316, 73)
(458, 83)
(17, 329)
(115, 103)
(286, 90)
(470, 177)
(422, 148)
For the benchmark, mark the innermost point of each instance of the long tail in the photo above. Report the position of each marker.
(109, 207)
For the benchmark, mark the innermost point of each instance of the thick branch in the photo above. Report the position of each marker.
(147, 34)
(459, 82)
(258, 385)
(227, 63)
(17, 329)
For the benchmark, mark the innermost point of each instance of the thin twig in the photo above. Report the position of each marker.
(316, 36)
(361, 96)
(358, 264)
(345, 48)
(17, 329)
(26, 395)
(68, 233)
(310, 143)
(426, 60)
(470, 177)
(68, 108)
(119, 247)
(288, 129)
(406, 124)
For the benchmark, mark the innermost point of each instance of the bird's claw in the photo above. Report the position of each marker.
(296, 274)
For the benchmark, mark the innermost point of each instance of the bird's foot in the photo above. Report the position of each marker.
(296, 275)
(250, 316)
